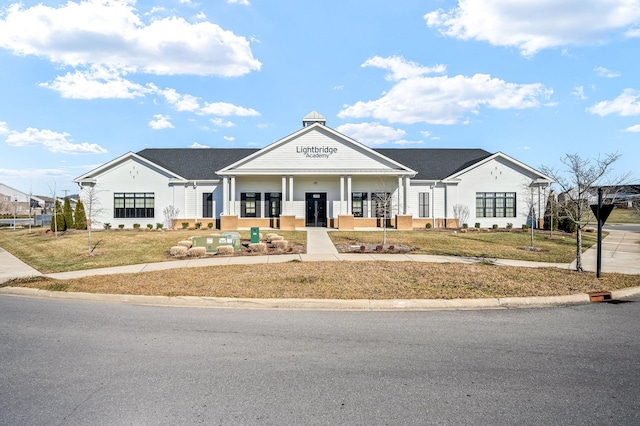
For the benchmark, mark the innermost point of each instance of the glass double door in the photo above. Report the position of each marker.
(316, 203)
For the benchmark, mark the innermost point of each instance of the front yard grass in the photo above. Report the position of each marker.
(560, 248)
(69, 252)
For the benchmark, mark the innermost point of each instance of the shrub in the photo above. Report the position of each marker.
(149, 226)
(525, 227)
(225, 250)
(178, 251)
(210, 225)
(67, 213)
(196, 251)
(185, 225)
(465, 225)
(477, 225)
(136, 226)
(185, 243)
(80, 217)
(198, 225)
(159, 225)
(275, 238)
(363, 248)
(428, 226)
(494, 226)
(106, 225)
(257, 247)
(280, 244)
(509, 225)
(121, 226)
(379, 247)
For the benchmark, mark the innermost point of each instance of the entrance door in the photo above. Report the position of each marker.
(316, 209)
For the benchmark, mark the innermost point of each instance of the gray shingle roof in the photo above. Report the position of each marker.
(435, 163)
(202, 163)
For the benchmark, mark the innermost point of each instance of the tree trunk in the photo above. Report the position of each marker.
(579, 250)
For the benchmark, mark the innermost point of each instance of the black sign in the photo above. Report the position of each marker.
(605, 211)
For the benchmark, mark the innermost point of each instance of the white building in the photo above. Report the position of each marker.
(316, 177)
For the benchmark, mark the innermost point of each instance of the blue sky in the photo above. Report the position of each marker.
(85, 81)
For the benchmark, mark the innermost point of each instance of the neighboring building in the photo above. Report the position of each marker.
(13, 201)
(316, 177)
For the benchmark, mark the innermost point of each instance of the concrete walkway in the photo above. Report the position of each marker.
(620, 253)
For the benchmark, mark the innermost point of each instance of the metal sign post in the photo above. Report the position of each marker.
(602, 213)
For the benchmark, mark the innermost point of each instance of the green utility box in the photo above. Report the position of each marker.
(255, 235)
(230, 239)
(212, 243)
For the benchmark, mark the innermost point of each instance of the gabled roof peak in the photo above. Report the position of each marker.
(313, 117)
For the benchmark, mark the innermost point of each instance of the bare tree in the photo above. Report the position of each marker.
(89, 193)
(170, 213)
(577, 182)
(461, 213)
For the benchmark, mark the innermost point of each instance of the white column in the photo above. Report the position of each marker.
(342, 206)
(400, 194)
(285, 209)
(291, 210)
(225, 195)
(407, 186)
(233, 195)
(349, 198)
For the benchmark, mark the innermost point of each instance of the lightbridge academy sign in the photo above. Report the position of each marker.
(316, 151)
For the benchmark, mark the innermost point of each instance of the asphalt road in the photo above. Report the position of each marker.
(80, 363)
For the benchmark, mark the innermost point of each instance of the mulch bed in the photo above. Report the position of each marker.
(374, 248)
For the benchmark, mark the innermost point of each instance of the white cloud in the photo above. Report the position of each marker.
(242, 2)
(219, 122)
(229, 138)
(406, 142)
(225, 109)
(628, 103)
(179, 101)
(415, 98)
(160, 122)
(198, 145)
(4, 128)
(635, 128)
(371, 133)
(604, 72)
(52, 141)
(111, 33)
(425, 133)
(578, 92)
(401, 69)
(533, 25)
(96, 83)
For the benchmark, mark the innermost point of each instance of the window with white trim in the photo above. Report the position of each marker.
(495, 204)
(423, 204)
(249, 202)
(133, 205)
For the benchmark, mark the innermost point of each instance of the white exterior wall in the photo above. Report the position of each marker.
(129, 176)
(498, 175)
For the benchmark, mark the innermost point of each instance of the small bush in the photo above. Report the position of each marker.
(257, 247)
(428, 226)
(149, 226)
(363, 248)
(106, 225)
(477, 225)
(465, 226)
(121, 226)
(379, 247)
(280, 244)
(185, 225)
(494, 226)
(159, 225)
(275, 238)
(525, 227)
(198, 225)
(197, 251)
(225, 250)
(178, 251)
(185, 243)
(210, 225)
(509, 225)
(136, 226)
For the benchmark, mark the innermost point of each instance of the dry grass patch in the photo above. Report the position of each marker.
(494, 245)
(346, 280)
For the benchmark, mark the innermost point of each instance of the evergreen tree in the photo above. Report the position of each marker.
(57, 218)
(80, 217)
(68, 214)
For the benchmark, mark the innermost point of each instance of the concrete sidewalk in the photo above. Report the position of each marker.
(620, 253)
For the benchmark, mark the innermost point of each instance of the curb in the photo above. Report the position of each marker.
(320, 304)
